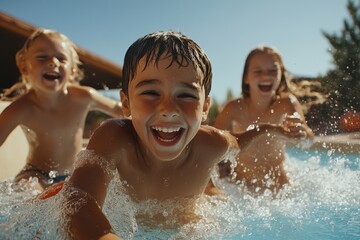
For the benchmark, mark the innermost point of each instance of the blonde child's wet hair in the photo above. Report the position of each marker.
(23, 86)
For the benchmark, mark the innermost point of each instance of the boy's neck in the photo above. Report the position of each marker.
(156, 164)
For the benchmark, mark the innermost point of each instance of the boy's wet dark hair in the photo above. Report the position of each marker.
(176, 45)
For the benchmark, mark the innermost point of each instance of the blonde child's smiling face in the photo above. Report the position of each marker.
(167, 105)
(264, 75)
(47, 64)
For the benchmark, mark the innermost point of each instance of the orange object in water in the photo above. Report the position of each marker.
(350, 121)
(51, 191)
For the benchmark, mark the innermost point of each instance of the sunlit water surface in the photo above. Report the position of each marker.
(323, 202)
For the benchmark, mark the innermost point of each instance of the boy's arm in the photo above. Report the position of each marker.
(88, 186)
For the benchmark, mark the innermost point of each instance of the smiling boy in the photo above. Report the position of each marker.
(162, 151)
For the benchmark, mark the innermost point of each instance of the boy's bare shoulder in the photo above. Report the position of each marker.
(112, 134)
(213, 138)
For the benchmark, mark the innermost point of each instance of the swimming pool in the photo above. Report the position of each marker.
(323, 202)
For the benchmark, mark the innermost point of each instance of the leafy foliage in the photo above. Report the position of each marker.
(343, 82)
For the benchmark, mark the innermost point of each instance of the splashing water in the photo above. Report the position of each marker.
(321, 202)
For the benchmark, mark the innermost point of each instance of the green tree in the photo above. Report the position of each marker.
(213, 112)
(342, 83)
(229, 95)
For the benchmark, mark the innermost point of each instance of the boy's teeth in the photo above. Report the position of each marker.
(167, 130)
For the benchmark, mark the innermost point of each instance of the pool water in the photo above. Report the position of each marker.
(322, 202)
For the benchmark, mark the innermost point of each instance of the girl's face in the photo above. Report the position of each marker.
(167, 106)
(47, 64)
(264, 75)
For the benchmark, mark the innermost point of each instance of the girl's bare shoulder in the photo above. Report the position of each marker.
(287, 100)
(235, 104)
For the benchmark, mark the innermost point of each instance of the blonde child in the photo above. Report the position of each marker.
(53, 109)
(265, 98)
(163, 152)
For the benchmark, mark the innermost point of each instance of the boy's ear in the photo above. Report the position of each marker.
(125, 104)
(206, 109)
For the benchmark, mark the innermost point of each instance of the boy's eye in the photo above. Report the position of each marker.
(188, 95)
(150, 93)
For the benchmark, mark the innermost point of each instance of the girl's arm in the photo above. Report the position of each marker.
(296, 120)
(241, 140)
(224, 118)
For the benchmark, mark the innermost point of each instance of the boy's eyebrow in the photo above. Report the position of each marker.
(146, 82)
(193, 85)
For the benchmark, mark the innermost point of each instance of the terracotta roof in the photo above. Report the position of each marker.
(99, 72)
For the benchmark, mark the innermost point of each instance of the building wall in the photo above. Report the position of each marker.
(13, 152)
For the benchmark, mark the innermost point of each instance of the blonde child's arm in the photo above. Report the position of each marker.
(104, 104)
(10, 118)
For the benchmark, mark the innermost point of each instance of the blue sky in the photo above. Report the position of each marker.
(226, 29)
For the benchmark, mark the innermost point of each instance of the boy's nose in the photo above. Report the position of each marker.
(168, 109)
(169, 114)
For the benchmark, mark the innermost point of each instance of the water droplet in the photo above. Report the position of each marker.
(53, 174)
(165, 213)
(250, 127)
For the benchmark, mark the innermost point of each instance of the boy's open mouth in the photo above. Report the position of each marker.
(51, 76)
(167, 135)
(265, 87)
